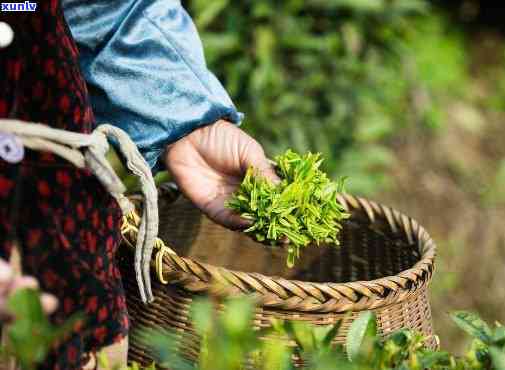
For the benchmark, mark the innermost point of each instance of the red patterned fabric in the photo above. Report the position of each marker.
(66, 222)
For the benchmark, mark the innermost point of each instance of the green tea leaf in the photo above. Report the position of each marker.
(362, 330)
(31, 335)
(473, 325)
(430, 359)
(498, 358)
(237, 316)
(499, 336)
(202, 315)
(324, 335)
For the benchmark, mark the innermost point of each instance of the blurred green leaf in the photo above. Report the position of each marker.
(202, 315)
(498, 357)
(210, 11)
(355, 5)
(473, 325)
(237, 315)
(499, 336)
(30, 336)
(361, 332)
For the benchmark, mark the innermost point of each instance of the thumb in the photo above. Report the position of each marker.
(255, 157)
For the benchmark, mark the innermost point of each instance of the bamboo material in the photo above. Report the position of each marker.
(384, 264)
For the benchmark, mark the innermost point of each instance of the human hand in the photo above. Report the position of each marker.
(209, 165)
(10, 283)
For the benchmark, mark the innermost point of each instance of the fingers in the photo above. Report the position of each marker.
(24, 282)
(6, 276)
(224, 216)
(48, 301)
(235, 222)
(228, 218)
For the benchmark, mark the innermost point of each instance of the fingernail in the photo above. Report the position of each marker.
(272, 175)
(5, 273)
(239, 224)
(49, 302)
(244, 224)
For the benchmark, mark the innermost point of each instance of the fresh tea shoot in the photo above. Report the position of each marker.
(302, 208)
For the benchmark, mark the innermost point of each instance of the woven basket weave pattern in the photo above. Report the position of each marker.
(384, 264)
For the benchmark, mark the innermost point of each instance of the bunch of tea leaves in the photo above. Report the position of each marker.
(302, 208)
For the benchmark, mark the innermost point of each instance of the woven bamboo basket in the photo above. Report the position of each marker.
(384, 264)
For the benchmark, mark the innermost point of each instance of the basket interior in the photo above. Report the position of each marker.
(367, 251)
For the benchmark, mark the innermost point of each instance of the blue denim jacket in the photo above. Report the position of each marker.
(146, 72)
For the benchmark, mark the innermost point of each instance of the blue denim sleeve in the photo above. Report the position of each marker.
(146, 72)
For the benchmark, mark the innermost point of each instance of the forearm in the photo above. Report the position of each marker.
(146, 71)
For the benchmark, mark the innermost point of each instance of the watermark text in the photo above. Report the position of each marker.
(27, 6)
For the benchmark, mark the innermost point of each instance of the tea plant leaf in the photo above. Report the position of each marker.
(430, 359)
(103, 362)
(498, 357)
(237, 316)
(362, 329)
(477, 355)
(499, 336)
(473, 325)
(202, 315)
(301, 333)
(165, 348)
(331, 334)
(31, 335)
(209, 12)
(274, 354)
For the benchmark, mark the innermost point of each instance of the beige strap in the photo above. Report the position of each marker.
(89, 151)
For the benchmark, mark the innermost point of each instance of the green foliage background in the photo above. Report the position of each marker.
(228, 343)
(403, 96)
(335, 76)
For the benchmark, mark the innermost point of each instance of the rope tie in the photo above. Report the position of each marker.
(89, 151)
(129, 230)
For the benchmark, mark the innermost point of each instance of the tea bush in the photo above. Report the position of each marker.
(229, 342)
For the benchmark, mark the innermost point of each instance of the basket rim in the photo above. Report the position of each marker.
(305, 296)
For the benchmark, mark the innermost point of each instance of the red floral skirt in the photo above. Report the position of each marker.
(65, 221)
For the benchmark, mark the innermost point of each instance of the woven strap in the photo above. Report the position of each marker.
(95, 146)
(280, 293)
